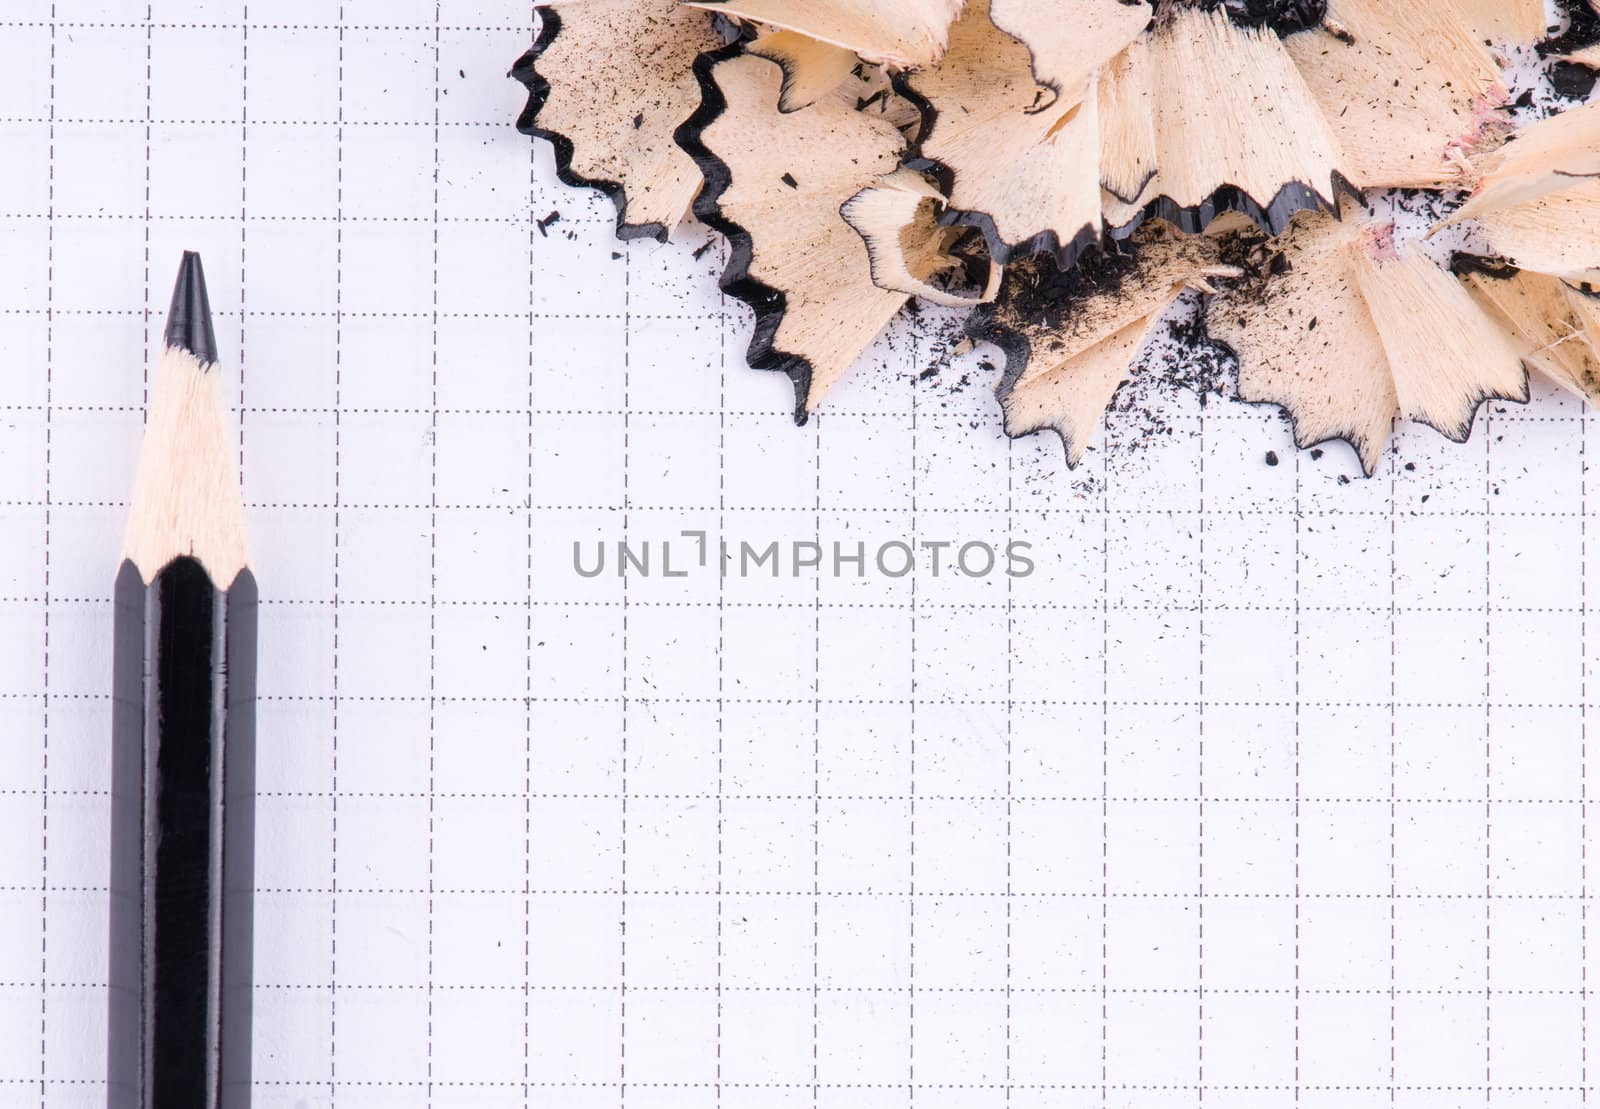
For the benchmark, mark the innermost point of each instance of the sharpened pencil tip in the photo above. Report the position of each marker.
(189, 318)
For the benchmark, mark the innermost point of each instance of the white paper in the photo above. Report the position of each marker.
(1268, 786)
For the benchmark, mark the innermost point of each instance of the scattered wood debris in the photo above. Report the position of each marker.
(1070, 335)
(1067, 169)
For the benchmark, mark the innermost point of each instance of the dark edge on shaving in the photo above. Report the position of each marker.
(526, 71)
(1272, 217)
(1045, 242)
(1460, 264)
(982, 326)
(769, 304)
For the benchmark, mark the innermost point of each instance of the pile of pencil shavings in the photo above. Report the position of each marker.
(1370, 222)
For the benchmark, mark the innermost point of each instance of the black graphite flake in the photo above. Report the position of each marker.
(1284, 17)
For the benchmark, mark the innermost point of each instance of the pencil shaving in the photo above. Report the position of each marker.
(898, 33)
(1020, 160)
(609, 81)
(776, 184)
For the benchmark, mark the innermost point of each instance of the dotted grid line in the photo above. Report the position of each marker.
(627, 502)
(762, 989)
(1010, 728)
(1121, 1087)
(1297, 739)
(951, 417)
(314, 313)
(999, 702)
(958, 606)
(911, 742)
(1013, 798)
(527, 645)
(49, 459)
(1105, 785)
(1394, 772)
(243, 124)
(284, 217)
(816, 779)
(1488, 758)
(885, 510)
(1200, 724)
(722, 500)
(433, 544)
(168, 25)
(145, 216)
(1583, 763)
(338, 520)
(929, 894)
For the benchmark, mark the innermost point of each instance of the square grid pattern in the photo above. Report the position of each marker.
(1269, 787)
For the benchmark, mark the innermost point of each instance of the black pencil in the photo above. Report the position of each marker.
(183, 746)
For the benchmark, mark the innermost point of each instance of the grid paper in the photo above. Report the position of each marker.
(1268, 788)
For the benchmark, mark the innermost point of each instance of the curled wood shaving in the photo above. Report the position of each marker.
(1020, 161)
(1558, 328)
(811, 68)
(609, 81)
(775, 182)
(1544, 157)
(897, 217)
(1235, 127)
(1343, 329)
(1556, 233)
(1070, 40)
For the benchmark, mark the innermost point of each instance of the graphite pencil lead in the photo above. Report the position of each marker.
(189, 318)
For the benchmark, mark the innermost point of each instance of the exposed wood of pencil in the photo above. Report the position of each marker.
(186, 497)
(183, 750)
(898, 219)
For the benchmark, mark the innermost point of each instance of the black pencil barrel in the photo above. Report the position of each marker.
(183, 843)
